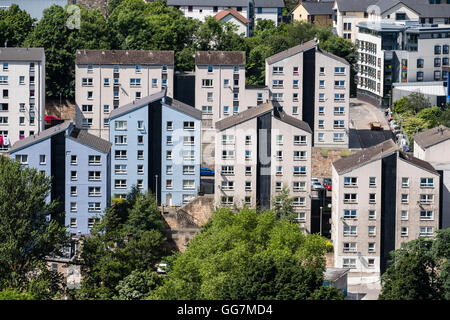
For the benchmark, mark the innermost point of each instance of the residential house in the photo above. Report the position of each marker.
(258, 151)
(382, 197)
(268, 10)
(108, 79)
(22, 94)
(319, 13)
(241, 23)
(156, 146)
(314, 86)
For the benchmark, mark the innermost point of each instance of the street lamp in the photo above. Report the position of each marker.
(321, 208)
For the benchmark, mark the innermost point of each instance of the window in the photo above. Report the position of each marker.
(339, 70)
(188, 184)
(295, 110)
(279, 155)
(169, 170)
(227, 170)
(437, 62)
(120, 154)
(73, 206)
(278, 186)
(400, 16)
(248, 170)
(339, 84)
(94, 207)
(350, 181)
(188, 198)
(94, 175)
(207, 109)
(89, 95)
(235, 110)
(349, 214)
(426, 182)
(121, 125)
(371, 263)
(349, 247)
(188, 140)
(94, 160)
(207, 83)
(120, 183)
(426, 198)
(321, 84)
(339, 97)
(73, 175)
(404, 215)
(188, 155)
(405, 198)
(73, 191)
(140, 139)
(350, 198)
(372, 181)
(277, 84)
(322, 71)
(188, 125)
(372, 214)
(404, 231)
(372, 230)
(372, 197)
(248, 140)
(338, 137)
(140, 154)
(321, 111)
(137, 95)
(138, 68)
(426, 215)
(169, 184)
(120, 140)
(140, 125)
(106, 108)
(445, 48)
(248, 155)
(279, 171)
(299, 186)
(22, 158)
(120, 169)
(42, 159)
(226, 110)
(299, 140)
(349, 230)
(3, 79)
(295, 70)
(321, 97)
(371, 246)
(419, 76)
(227, 185)
(227, 139)
(338, 124)
(169, 155)
(86, 82)
(169, 125)
(188, 170)
(277, 96)
(349, 263)
(169, 141)
(426, 231)
(299, 201)
(299, 155)
(295, 97)
(227, 201)
(299, 171)
(419, 63)
(277, 70)
(405, 182)
(73, 160)
(437, 49)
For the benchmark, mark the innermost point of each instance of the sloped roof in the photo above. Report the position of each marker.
(97, 143)
(365, 156)
(432, 137)
(244, 116)
(318, 7)
(422, 7)
(183, 107)
(142, 57)
(22, 54)
(222, 14)
(41, 136)
(208, 3)
(136, 104)
(354, 5)
(269, 3)
(220, 57)
(295, 122)
(417, 162)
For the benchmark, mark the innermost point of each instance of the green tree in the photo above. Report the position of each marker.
(282, 204)
(26, 238)
(12, 294)
(137, 285)
(441, 253)
(326, 293)
(235, 249)
(15, 25)
(412, 275)
(128, 237)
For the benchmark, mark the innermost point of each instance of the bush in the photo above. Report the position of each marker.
(324, 152)
(345, 153)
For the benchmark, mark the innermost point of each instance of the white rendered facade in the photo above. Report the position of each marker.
(22, 93)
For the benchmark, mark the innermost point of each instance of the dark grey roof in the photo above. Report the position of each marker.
(425, 9)
(292, 121)
(243, 116)
(40, 136)
(83, 137)
(209, 3)
(433, 136)
(318, 7)
(269, 3)
(365, 156)
(354, 5)
(137, 104)
(301, 48)
(144, 57)
(258, 111)
(417, 162)
(220, 57)
(183, 107)
(22, 54)
(291, 51)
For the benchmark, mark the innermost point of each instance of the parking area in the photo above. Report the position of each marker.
(362, 114)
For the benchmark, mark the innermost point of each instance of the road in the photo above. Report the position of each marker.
(360, 134)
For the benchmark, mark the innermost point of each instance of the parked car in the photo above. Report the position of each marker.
(315, 184)
(397, 129)
(375, 126)
(206, 172)
(327, 184)
(49, 119)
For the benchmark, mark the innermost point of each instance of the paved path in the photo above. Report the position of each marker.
(360, 134)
